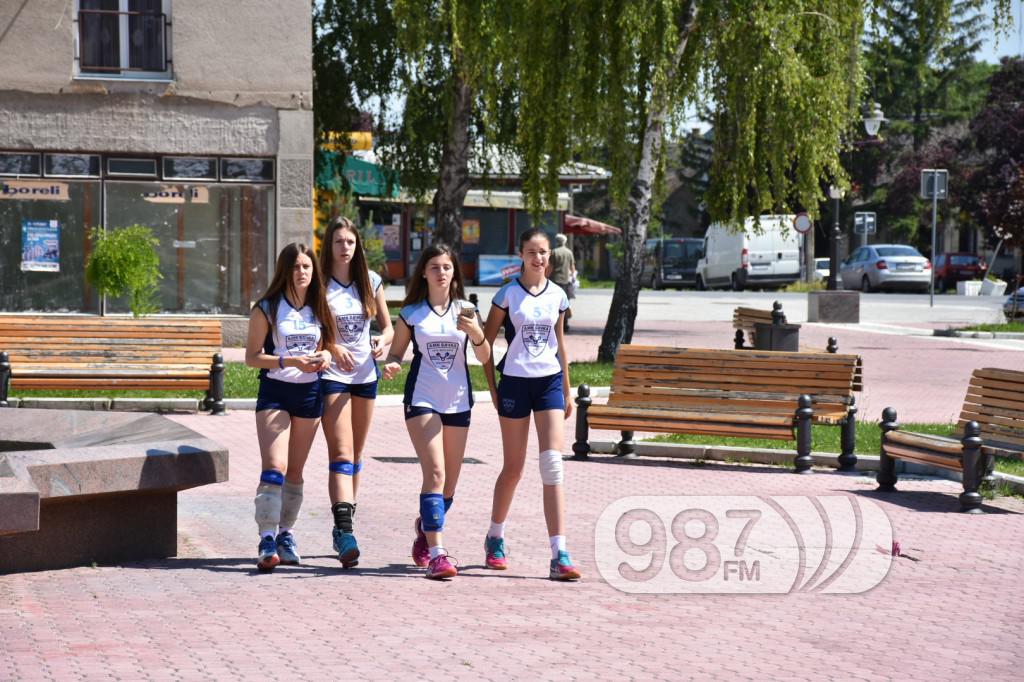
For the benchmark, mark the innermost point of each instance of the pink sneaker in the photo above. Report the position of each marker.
(494, 549)
(420, 550)
(440, 567)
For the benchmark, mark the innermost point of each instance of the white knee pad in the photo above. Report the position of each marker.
(291, 502)
(551, 467)
(268, 507)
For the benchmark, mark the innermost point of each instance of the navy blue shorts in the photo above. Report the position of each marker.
(518, 396)
(367, 390)
(298, 400)
(451, 419)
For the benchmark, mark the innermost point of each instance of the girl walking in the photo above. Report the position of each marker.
(438, 394)
(349, 384)
(534, 379)
(289, 340)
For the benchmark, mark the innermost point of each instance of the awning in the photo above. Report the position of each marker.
(363, 177)
(574, 224)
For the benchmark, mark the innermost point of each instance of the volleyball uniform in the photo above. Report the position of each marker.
(438, 378)
(352, 325)
(293, 333)
(531, 371)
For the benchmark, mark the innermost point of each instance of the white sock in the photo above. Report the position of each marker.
(557, 545)
(436, 551)
(282, 529)
(267, 535)
(497, 530)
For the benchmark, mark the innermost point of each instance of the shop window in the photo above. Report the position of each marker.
(17, 164)
(72, 165)
(139, 168)
(44, 244)
(247, 170)
(215, 241)
(189, 168)
(124, 38)
(548, 222)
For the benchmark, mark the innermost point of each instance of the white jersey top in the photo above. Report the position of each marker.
(530, 329)
(352, 327)
(294, 333)
(439, 376)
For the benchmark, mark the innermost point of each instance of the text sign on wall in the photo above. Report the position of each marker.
(21, 190)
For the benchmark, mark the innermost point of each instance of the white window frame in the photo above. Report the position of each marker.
(124, 35)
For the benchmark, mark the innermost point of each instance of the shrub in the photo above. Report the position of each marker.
(124, 262)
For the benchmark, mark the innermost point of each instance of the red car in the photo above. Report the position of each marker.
(951, 268)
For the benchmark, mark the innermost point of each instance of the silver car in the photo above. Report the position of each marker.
(1014, 305)
(886, 266)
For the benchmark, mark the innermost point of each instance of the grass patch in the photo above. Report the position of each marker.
(243, 382)
(1004, 327)
(804, 287)
(586, 283)
(826, 439)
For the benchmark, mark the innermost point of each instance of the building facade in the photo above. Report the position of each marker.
(190, 117)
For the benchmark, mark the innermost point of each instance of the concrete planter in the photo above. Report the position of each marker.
(993, 287)
(968, 288)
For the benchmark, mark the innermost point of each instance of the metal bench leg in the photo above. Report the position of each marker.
(802, 462)
(5, 378)
(848, 441)
(581, 448)
(626, 447)
(215, 401)
(887, 465)
(973, 464)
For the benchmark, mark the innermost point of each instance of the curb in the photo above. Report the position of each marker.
(962, 334)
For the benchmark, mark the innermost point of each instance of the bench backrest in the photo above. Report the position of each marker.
(995, 399)
(712, 379)
(64, 339)
(744, 318)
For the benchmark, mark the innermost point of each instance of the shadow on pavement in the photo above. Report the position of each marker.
(926, 501)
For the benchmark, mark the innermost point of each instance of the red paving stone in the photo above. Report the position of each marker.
(208, 615)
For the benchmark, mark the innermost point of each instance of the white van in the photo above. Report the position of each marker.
(739, 260)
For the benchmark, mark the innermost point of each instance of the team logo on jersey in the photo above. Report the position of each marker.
(442, 354)
(300, 344)
(350, 327)
(535, 337)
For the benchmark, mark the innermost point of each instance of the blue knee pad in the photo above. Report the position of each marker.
(357, 467)
(448, 503)
(432, 512)
(272, 477)
(346, 468)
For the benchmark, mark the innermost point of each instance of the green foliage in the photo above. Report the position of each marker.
(123, 262)
(344, 204)
(803, 287)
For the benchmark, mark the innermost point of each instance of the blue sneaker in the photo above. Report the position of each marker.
(562, 568)
(268, 558)
(346, 547)
(495, 554)
(286, 549)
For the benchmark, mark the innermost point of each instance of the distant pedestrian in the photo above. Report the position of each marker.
(290, 337)
(349, 385)
(534, 379)
(563, 273)
(438, 393)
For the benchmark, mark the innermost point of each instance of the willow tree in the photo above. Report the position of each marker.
(783, 78)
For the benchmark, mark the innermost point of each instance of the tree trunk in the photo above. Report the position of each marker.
(622, 314)
(453, 179)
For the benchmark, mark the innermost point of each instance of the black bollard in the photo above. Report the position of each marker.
(215, 403)
(802, 462)
(887, 465)
(973, 464)
(581, 448)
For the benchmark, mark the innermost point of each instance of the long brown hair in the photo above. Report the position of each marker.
(316, 295)
(358, 269)
(418, 285)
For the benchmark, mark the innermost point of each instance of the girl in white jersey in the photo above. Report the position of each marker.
(290, 344)
(438, 394)
(349, 385)
(534, 378)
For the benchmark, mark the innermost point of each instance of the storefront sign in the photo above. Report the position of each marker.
(178, 195)
(470, 231)
(496, 270)
(40, 246)
(34, 189)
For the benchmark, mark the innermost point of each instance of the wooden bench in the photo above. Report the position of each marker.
(992, 423)
(88, 353)
(745, 321)
(729, 393)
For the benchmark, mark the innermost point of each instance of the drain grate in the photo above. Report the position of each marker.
(413, 460)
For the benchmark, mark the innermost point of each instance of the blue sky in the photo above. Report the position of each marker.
(1010, 43)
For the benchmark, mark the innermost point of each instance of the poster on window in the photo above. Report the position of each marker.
(470, 231)
(392, 238)
(40, 246)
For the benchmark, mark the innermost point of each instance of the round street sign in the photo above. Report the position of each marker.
(802, 223)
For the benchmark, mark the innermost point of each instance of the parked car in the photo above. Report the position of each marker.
(745, 258)
(1014, 305)
(821, 269)
(671, 262)
(951, 268)
(885, 266)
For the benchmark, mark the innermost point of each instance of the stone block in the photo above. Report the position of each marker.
(833, 306)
